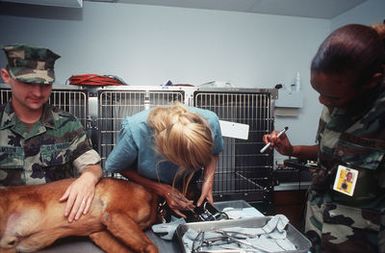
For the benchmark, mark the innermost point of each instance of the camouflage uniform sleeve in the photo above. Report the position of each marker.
(82, 152)
(324, 118)
(88, 158)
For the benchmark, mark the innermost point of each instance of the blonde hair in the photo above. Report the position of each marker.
(182, 137)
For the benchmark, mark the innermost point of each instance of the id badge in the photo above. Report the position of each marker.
(345, 180)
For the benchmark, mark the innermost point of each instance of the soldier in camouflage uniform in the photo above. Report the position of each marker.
(348, 73)
(40, 144)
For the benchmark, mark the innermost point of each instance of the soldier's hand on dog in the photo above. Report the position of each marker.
(177, 201)
(79, 196)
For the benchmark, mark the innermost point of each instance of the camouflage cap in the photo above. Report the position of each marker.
(31, 64)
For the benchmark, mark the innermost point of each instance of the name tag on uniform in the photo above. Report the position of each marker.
(345, 180)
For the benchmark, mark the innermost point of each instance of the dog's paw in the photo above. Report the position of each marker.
(151, 249)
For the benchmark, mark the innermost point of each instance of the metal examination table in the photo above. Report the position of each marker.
(84, 245)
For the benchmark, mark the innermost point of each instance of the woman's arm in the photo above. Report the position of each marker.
(208, 181)
(175, 199)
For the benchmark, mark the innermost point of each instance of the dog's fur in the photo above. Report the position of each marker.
(31, 217)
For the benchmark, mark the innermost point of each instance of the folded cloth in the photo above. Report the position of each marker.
(167, 228)
(240, 213)
(277, 222)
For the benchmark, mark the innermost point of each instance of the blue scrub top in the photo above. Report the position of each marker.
(135, 148)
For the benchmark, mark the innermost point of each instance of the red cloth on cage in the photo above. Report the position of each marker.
(95, 80)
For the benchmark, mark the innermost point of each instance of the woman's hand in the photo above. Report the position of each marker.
(281, 143)
(80, 193)
(176, 200)
(207, 191)
(208, 182)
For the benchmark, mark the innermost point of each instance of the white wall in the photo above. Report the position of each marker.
(369, 12)
(148, 45)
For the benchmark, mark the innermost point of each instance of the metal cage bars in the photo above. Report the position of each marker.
(114, 106)
(72, 101)
(243, 173)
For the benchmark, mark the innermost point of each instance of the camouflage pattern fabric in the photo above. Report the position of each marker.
(333, 227)
(31, 64)
(43, 153)
(355, 138)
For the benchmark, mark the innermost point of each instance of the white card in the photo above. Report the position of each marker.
(234, 130)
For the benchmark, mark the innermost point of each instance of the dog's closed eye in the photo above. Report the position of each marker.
(12, 242)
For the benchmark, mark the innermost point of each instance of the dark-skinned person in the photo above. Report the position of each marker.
(348, 73)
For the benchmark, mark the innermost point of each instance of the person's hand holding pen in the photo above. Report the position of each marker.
(279, 141)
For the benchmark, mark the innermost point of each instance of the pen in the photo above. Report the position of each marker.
(278, 135)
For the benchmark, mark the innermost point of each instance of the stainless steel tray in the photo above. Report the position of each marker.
(300, 241)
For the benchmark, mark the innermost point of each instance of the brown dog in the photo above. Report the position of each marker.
(31, 217)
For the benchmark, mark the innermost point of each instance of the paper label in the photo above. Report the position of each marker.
(234, 130)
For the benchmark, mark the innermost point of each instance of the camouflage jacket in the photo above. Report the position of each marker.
(50, 150)
(354, 137)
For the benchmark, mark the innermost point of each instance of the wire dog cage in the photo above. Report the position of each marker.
(72, 101)
(242, 173)
(115, 105)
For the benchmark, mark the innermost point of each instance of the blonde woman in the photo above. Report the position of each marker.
(167, 146)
